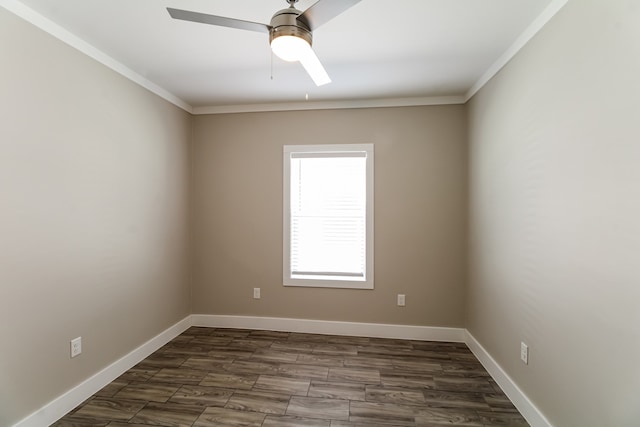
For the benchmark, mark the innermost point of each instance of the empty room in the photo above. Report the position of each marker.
(330, 213)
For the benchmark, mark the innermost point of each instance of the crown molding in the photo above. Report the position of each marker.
(533, 29)
(31, 16)
(76, 42)
(331, 105)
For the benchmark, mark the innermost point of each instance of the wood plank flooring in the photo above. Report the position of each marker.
(230, 377)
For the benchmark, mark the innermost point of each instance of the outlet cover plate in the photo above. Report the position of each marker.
(524, 353)
(76, 346)
(256, 293)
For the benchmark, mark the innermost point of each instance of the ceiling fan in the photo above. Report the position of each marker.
(290, 30)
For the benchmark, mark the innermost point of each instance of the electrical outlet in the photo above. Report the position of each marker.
(401, 300)
(524, 353)
(76, 346)
(256, 293)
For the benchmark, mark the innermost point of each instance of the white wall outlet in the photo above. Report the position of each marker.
(76, 346)
(401, 300)
(256, 293)
(524, 353)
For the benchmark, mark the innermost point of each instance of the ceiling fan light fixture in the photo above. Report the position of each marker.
(290, 30)
(293, 43)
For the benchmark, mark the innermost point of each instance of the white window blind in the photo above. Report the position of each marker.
(327, 214)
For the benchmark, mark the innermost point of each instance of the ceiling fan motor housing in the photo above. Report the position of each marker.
(286, 23)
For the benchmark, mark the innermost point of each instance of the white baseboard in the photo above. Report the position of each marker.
(374, 330)
(58, 407)
(528, 410)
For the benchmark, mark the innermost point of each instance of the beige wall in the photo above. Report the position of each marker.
(555, 215)
(420, 214)
(94, 202)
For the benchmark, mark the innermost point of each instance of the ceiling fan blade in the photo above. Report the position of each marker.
(314, 68)
(324, 11)
(221, 21)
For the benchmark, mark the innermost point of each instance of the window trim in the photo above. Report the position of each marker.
(367, 283)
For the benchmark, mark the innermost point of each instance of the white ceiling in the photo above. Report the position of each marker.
(376, 50)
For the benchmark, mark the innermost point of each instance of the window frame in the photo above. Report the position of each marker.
(288, 280)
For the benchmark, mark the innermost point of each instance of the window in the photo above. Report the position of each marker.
(328, 216)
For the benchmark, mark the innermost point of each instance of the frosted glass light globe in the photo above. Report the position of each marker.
(290, 48)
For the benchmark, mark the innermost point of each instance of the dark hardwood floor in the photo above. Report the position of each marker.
(230, 377)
